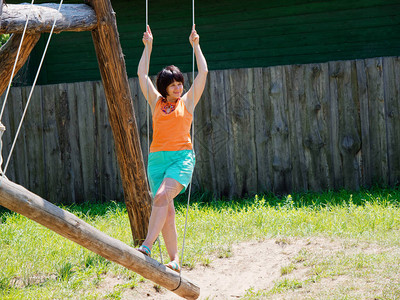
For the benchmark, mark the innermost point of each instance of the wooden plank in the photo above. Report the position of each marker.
(366, 155)
(77, 194)
(19, 155)
(15, 108)
(391, 80)
(349, 142)
(86, 125)
(315, 135)
(250, 109)
(217, 135)
(72, 17)
(54, 171)
(110, 186)
(222, 93)
(143, 114)
(294, 82)
(334, 128)
(262, 132)
(20, 200)
(269, 119)
(279, 132)
(242, 114)
(204, 171)
(65, 173)
(35, 156)
(62, 138)
(324, 98)
(377, 132)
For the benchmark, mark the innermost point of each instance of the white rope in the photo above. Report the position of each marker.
(147, 61)
(147, 83)
(32, 88)
(16, 61)
(190, 183)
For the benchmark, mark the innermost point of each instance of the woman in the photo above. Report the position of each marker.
(171, 157)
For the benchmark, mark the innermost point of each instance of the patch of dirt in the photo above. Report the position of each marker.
(252, 265)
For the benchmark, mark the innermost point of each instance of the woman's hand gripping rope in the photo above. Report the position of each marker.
(148, 37)
(194, 38)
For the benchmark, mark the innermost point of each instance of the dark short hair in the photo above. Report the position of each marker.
(167, 76)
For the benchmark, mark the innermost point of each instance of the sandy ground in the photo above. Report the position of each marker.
(252, 265)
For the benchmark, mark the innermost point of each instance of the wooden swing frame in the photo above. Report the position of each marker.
(98, 17)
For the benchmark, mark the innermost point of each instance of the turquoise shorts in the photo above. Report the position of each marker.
(177, 165)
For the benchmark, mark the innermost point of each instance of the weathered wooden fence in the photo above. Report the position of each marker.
(297, 127)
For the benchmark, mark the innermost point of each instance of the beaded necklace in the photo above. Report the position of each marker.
(168, 107)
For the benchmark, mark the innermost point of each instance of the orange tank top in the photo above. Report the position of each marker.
(171, 127)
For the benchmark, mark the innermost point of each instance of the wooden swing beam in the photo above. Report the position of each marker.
(72, 17)
(18, 199)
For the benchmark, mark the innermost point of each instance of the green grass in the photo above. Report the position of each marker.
(3, 39)
(37, 263)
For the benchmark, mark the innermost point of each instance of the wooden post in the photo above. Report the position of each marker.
(20, 200)
(8, 54)
(122, 118)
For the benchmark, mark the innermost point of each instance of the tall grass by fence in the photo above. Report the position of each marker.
(281, 129)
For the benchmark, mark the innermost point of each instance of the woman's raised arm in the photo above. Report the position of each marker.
(197, 88)
(146, 85)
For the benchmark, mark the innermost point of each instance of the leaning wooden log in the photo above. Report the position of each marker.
(8, 54)
(122, 118)
(72, 17)
(18, 199)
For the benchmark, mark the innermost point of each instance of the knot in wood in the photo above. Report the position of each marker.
(104, 21)
(314, 142)
(276, 88)
(281, 129)
(316, 70)
(317, 107)
(336, 74)
(350, 145)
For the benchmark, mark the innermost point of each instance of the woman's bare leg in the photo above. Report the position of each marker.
(170, 234)
(168, 190)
